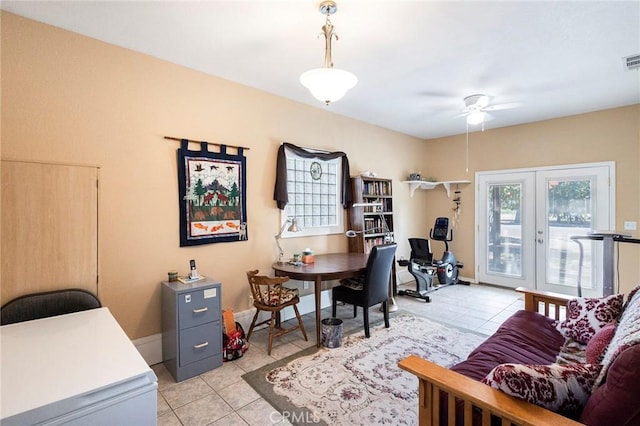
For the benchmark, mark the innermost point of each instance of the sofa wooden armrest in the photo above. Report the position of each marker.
(552, 305)
(433, 378)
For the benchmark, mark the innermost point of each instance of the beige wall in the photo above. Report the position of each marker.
(611, 135)
(71, 99)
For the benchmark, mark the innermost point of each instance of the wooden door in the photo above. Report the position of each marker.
(49, 228)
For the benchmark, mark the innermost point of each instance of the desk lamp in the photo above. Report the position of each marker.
(388, 236)
(292, 228)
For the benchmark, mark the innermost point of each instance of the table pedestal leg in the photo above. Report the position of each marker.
(318, 287)
(391, 304)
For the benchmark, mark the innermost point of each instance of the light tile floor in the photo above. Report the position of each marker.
(222, 397)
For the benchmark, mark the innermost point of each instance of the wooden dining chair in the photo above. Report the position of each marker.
(269, 294)
(370, 289)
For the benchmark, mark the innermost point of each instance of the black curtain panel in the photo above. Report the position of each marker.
(280, 194)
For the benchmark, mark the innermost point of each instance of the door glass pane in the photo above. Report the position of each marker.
(569, 213)
(504, 229)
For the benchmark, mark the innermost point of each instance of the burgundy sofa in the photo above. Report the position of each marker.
(527, 337)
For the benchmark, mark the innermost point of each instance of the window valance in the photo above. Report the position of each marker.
(280, 193)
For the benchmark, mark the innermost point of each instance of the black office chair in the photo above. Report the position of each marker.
(371, 289)
(47, 304)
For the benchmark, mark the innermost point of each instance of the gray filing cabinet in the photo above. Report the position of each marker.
(191, 327)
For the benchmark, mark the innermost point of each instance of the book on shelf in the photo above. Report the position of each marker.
(376, 188)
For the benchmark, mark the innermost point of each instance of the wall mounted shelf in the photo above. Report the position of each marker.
(423, 184)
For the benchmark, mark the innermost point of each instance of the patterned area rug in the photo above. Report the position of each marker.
(360, 382)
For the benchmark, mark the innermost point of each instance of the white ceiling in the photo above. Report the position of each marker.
(415, 60)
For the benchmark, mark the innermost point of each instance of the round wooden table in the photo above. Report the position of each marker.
(327, 267)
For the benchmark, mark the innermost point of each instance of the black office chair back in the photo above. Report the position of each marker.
(421, 250)
(47, 304)
(378, 272)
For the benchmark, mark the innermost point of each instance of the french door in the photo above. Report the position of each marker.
(525, 221)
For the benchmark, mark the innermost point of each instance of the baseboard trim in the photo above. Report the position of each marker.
(471, 280)
(405, 278)
(306, 305)
(150, 347)
(244, 318)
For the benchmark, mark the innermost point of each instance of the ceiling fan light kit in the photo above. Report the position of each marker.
(476, 102)
(475, 117)
(328, 84)
(473, 106)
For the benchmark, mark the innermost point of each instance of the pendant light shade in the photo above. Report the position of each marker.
(328, 84)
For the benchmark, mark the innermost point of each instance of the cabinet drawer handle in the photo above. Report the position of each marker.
(201, 345)
(201, 310)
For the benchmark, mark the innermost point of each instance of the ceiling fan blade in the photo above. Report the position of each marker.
(502, 106)
(435, 94)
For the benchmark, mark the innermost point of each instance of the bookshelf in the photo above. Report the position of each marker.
(372, 224)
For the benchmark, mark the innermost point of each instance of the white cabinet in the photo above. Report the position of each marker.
(78, 369)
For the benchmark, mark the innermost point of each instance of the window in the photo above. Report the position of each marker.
(313, 186)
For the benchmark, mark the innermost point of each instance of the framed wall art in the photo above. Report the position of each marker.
(212, 195)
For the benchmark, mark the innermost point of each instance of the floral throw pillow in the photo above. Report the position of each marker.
(599, 343)
(563, 389)
(587, 316)
(627, 334)
(572, 352)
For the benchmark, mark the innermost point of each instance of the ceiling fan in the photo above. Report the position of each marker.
(476, 109)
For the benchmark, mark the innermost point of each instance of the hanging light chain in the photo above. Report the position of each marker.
(467, 150)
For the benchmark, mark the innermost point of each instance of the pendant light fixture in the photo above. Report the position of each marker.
(328, 84)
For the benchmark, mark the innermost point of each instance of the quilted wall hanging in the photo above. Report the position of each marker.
(212, 195)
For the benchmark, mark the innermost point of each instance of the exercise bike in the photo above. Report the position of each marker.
(424, 268)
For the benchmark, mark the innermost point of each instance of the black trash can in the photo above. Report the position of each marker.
(331, 332)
